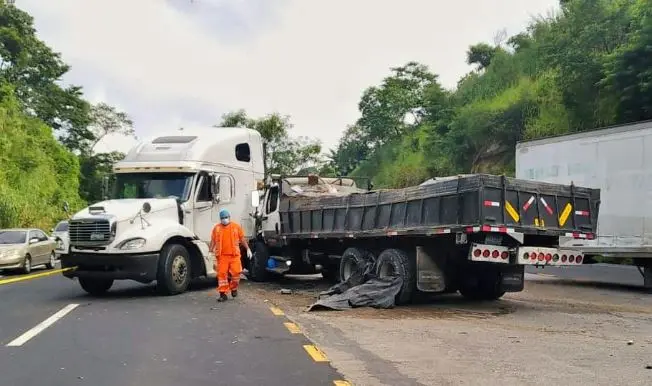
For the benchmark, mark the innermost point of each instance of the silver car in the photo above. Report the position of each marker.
(25, 248)
(60, 235)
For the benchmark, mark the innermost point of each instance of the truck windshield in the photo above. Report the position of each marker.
(152, 185)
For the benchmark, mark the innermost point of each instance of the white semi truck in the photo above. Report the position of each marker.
(472, 233)
(166, 196)
(618, 161)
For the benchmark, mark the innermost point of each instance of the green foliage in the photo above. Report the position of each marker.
(37, 174)
(586, 66)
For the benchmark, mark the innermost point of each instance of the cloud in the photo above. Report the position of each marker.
(167, 62)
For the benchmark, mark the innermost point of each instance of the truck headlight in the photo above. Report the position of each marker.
(130, 244)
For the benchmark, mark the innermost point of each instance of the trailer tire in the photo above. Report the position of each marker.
(258, 263)
(174, 270)
(397, 262)
(484, 286)
(351, 260)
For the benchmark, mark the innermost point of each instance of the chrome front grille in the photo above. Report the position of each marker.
(90, 232)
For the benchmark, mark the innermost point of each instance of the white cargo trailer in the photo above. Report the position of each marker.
(618, 161)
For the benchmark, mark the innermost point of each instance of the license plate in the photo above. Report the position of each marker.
(97, 236)
(493, 239)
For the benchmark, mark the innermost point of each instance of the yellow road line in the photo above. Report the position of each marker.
(342, 383)
(277, 311)
(316, 354)
(35, 276)
(293, 328)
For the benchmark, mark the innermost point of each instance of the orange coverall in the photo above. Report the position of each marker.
(226, 240)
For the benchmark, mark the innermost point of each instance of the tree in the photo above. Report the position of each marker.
(107, 120)
(34, 71)
(285, 155)
(480, 54)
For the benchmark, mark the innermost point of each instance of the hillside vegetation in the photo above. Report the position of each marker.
(587, 66)
(47, 130)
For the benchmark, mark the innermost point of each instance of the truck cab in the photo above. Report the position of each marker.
(165, 198)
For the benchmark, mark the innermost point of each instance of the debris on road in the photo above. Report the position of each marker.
(286, 291)
(361, 289)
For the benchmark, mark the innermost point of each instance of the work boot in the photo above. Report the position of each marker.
(234, 293)
(222, 297)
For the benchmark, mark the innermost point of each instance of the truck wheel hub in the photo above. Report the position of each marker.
(179, 269)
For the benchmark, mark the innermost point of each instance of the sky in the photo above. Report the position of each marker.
(175, 63)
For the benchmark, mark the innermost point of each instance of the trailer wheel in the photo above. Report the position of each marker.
(174, 270)
(352, 260)
(482, 286)
(258, 263)
(395, 262)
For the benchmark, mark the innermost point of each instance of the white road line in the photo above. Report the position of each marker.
(42, 326)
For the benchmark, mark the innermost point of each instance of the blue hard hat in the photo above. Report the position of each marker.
(224, 214)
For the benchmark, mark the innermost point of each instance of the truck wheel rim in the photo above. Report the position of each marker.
(179, 269)
(387, 270)
(28, 265)
(52, 259)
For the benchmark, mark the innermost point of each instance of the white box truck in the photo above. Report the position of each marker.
(618, 161)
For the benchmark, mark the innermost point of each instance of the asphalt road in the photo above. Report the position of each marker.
(135, 337)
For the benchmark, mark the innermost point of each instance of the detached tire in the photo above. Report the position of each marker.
(352, 260)
(395, 262)
(258, 263)
(95, 287)
(174, 270)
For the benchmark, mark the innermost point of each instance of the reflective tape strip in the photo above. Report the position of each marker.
(511, 211)
(545, 205)
(581, 212)
(492, 203)
(565, 213)
(528, 203)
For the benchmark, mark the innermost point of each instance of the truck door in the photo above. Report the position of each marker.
(272, 226)
(202, 221)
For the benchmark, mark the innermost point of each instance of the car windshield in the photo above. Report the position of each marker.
(12, 237)
(152, 185)
(61, 227)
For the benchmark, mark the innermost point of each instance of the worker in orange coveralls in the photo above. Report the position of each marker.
(226, 238)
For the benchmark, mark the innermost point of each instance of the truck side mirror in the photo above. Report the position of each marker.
(215, 187)
(255, 199)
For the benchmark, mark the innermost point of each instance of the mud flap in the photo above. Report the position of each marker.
(512, 278)
(430, 276)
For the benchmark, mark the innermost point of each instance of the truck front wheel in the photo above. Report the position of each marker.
(95, 287)
(173, 273)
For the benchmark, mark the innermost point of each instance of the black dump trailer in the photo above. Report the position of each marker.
(471, 233)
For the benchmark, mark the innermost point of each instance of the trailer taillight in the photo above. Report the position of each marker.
(555, 257)
(533, 256)
(504, 255)
(495, 254)
(548, 257)
(571, 258)
(578, 259)
(486, 253)
(541, 256)
(564, 258)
